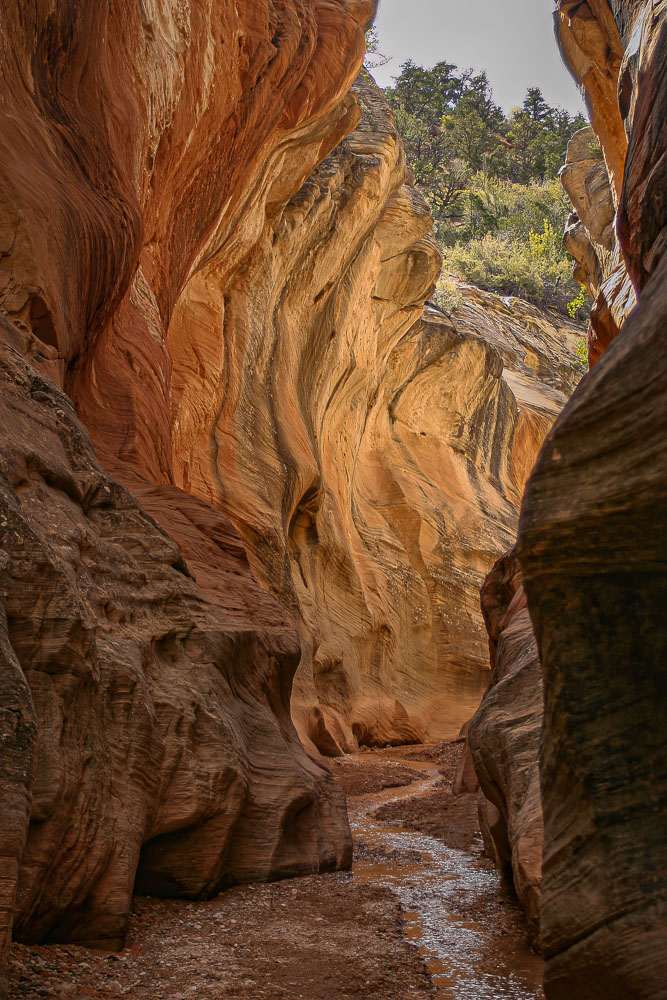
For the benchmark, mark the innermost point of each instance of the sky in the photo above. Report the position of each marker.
(512, 40)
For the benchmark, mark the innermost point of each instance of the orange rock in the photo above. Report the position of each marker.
(146, 701)
(591, 238)
(232, 297)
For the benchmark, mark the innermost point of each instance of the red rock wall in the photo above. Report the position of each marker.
(145, 700)
(232, 298)
(139, 137)
(162, 719)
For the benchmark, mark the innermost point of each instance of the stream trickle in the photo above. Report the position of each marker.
(436, 885)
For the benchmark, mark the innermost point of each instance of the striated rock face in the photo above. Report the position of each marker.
(591, 238)
(371, 461)
(162, 720)
(503, 739)
(145, 717)
(592, 47)
(148, 140)
(314, 476)
(592, 550)
(590, 42)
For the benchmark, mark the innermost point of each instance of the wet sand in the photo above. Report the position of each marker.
(418, 916)
(469, 929)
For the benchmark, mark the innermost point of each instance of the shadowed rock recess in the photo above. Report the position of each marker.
(593, 554)
(246, 480)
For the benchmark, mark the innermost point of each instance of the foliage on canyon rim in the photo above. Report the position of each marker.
(490, 180)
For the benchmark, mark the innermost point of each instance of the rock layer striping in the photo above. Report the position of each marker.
(592, 550)
(232, 298)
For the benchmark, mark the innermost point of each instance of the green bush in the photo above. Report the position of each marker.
(582, 356)
(535, 268)
(575, 305)
(447, 296)
(490, 181)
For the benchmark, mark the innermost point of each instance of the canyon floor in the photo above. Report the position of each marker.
(422, 914)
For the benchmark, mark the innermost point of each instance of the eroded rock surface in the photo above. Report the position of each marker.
(591, 238)
(162, 719)
(503, 739)
(232, 297)
(145, 708)
(592, 549)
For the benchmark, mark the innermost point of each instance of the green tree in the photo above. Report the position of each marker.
(490, 179)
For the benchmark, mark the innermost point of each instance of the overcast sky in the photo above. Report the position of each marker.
(511, 39)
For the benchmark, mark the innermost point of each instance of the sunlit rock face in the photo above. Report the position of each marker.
(590, 40)
(371, 460)
(592, 550)
(591, 238)
(145, 698)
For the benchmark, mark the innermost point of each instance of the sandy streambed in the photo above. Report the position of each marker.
(421, 915)
(467, 926)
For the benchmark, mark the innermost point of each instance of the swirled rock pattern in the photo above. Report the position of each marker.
(145, 717)
(162, 719)
(314, 476)
(371, 461)
(592, 550)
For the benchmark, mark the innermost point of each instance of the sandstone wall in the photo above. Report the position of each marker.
(232, 297)
(592, 549)
(371, 461)
(145, 699)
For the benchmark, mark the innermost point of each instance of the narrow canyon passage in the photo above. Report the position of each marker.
(422, 914)
(456, 909)
(332, 417)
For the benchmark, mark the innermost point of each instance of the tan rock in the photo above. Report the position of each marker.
(591, 238)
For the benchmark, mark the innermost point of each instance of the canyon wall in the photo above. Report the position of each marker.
(145, 718)
(592, 553)
(372, 460)
(246, 480)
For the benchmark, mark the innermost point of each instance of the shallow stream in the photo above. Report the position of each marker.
(436, 886)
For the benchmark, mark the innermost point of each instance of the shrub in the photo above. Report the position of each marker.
(447, 296)
(532, 269)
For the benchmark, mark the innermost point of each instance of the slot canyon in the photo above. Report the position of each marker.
(333, 619)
